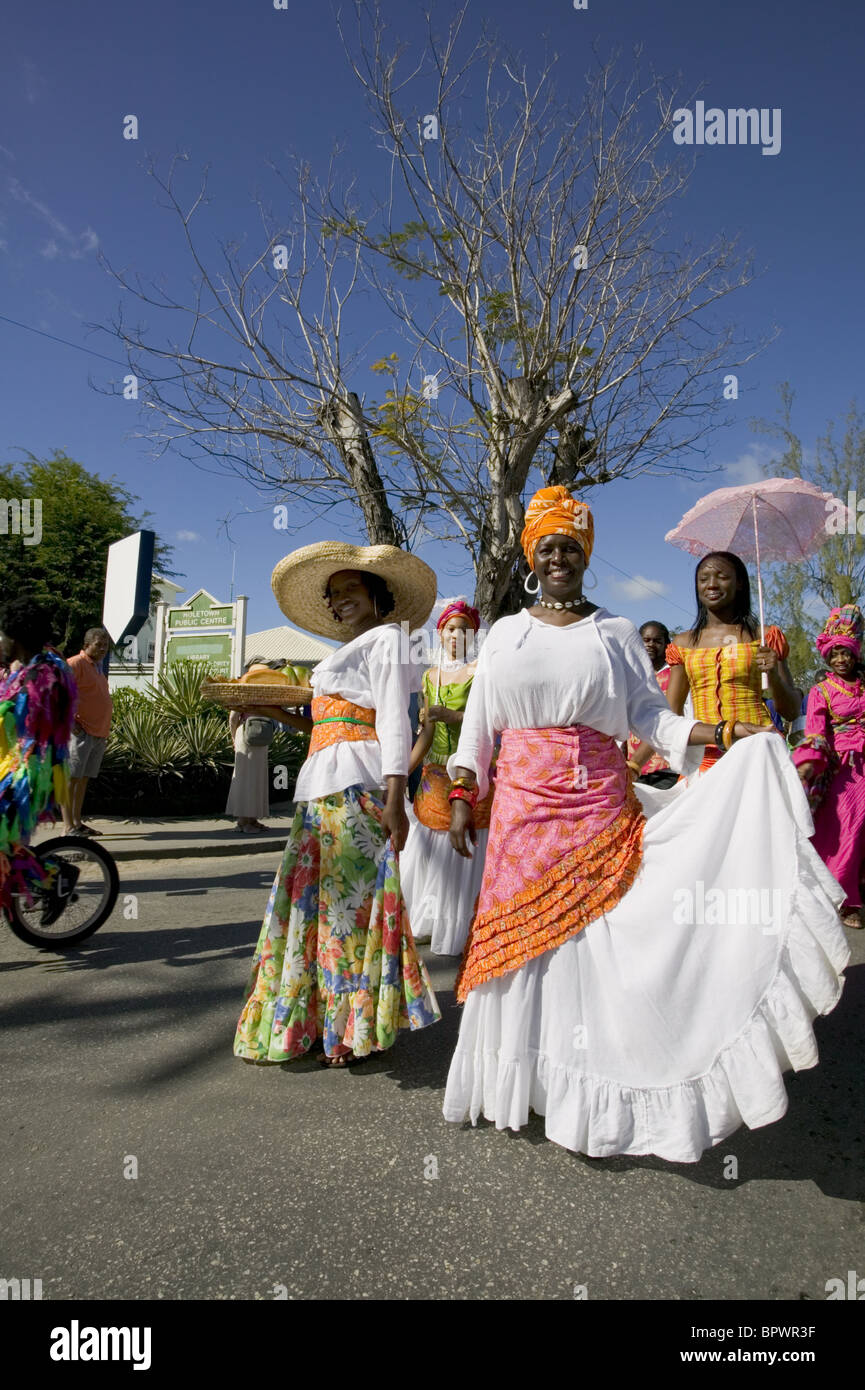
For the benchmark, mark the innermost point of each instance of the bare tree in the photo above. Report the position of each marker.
(546, 326)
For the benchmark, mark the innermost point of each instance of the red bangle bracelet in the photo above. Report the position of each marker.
(463, 794)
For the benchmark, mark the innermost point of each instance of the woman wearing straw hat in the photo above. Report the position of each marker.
(598, 987)
(440, 890)
(335, 960)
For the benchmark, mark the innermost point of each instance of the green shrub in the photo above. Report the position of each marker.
(170, 751)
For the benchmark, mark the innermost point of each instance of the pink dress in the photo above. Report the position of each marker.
(835, 739)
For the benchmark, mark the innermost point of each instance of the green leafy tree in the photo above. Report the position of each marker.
(799, 596)
(61, 563)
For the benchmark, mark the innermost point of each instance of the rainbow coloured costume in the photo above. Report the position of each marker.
(37, 706)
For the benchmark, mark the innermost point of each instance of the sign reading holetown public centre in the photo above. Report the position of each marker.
(190, 617)
(204, 629)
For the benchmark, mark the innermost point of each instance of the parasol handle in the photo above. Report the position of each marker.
(765, 680)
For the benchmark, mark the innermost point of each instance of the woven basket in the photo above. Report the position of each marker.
(233, 695)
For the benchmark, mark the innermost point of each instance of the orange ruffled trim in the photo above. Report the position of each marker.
(580, 888)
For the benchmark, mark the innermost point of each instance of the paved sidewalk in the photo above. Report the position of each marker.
(182, 837)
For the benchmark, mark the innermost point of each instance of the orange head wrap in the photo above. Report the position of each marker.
(554, 512)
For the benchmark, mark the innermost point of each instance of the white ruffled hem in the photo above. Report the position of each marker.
(516, 1053)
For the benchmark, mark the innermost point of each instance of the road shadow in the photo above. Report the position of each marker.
(177, 947)
(819, 1140)
(123, 940)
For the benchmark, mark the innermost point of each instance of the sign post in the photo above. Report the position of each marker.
(128, 579)
(159, 639)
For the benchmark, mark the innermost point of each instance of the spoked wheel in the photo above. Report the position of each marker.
(75, 898)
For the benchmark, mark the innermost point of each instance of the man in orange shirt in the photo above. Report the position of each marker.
(92, 723)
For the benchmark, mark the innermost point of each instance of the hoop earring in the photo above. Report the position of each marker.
(594, 583)
(375, 605)
(536, 589)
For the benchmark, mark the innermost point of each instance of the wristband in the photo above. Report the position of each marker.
(464, 794)
(728, 734)
(719, 731)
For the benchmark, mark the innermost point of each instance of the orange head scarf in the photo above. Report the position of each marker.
(554, 512)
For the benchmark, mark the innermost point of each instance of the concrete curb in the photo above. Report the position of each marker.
(248, 844)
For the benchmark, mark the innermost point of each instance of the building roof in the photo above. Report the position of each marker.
(285, 643)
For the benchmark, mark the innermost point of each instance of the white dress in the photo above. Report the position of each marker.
(665, 1024)
(249, 793)
(440, 886)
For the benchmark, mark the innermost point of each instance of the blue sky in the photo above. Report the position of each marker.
(237, 84)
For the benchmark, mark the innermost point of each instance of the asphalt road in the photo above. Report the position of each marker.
(294, 1181)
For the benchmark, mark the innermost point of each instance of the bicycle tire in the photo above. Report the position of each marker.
(24, 929)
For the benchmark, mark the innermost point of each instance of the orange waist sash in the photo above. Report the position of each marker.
(565, 846)
(335, 720)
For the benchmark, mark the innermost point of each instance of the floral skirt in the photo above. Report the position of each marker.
(335, 959)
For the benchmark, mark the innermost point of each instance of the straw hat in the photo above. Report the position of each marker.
(299, 582)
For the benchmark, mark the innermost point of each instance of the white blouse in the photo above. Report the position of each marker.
(374, 671)
(532, 675)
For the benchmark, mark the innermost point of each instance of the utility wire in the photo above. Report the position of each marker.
(662, 598)
(65, 341)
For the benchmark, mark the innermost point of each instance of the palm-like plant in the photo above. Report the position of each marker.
(178, 692)
(145, 740)
(171, 750)
(206, 740)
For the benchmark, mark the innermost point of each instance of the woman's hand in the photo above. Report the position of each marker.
(442, 715)
(394, 822)
(462, 827)
(742, 730)
(807, 772)
(766, 659)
